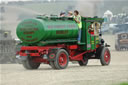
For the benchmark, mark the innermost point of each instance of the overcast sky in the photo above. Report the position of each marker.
(12, 0)
(50, 0)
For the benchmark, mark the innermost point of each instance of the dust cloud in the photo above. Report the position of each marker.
(87, 7)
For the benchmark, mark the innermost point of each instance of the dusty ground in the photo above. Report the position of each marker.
(93, 74)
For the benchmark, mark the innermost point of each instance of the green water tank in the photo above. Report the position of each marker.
(43, 29)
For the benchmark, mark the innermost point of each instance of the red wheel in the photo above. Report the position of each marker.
(62, 59)
(84, 62)
(105, 56)
(29, 64)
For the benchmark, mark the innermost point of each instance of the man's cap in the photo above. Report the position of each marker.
(62, 12)
(70, 12)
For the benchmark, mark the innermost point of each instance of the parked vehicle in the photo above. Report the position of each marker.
(121, 42)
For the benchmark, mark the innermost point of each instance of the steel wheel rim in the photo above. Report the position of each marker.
(107, 57)
(62, 59)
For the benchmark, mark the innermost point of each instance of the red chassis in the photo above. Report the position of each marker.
(37, 52)
(58, 56)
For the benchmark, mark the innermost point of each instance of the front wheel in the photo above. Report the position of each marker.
(29, 64)
(105, 56)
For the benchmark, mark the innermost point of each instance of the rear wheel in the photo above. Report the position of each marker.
(29, 64)
(61, 60)
(105, 56)
(83, 62)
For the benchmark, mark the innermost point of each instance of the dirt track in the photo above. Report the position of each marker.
(93, 74)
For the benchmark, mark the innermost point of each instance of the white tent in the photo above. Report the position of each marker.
(108, 13)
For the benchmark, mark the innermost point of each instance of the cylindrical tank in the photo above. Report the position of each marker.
(35, 30)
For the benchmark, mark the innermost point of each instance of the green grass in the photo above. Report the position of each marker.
(124, 83)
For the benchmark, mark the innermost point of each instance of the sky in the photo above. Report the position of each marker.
(6, 1)
(12, 0)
